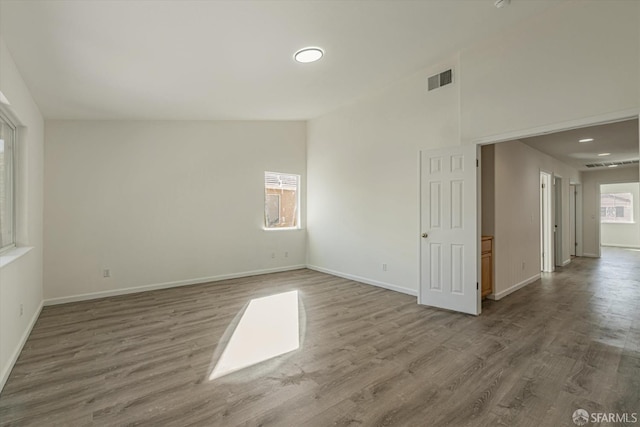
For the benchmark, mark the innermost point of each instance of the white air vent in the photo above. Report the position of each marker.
(439, 80)
(607, 164)
(280, 181)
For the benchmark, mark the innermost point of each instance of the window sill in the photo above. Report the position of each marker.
(281, 228)
(13, 254)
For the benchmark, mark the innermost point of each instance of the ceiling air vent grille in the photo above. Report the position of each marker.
(607, 164)
(439, 80)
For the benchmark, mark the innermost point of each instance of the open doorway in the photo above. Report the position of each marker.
(521, 220)
(619, 215)
(602, 154)
(557, 221)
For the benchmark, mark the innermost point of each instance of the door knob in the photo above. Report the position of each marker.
(425, 235)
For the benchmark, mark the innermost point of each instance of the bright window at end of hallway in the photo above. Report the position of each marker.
(7, 205)
(281, 200)
(616, 207)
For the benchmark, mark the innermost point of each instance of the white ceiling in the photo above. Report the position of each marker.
(620, 139)
(186, 59)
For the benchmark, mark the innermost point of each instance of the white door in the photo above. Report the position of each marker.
(546, 230)
(449, 238)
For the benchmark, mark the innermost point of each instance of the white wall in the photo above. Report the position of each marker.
(163, 202)
(591, 181)
(21, 280)
(363, 179)
(363, 158)
(517, 213)
(620, 234)
(553, 68)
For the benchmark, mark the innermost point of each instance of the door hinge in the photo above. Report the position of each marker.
(477, 286)
(477, 163)
(542, 185)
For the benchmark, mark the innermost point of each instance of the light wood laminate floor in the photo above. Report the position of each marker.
(368, 356)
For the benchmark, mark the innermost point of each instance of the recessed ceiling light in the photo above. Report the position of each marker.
(586, 140)
(613, 166)
(308, 54)
(604, 154)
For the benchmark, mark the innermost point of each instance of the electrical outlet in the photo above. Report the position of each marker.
(106, 273)
(286, 254)
(21, 309)
(384, 267)
(273, 254)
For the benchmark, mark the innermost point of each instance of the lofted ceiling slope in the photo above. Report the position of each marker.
(200, 60)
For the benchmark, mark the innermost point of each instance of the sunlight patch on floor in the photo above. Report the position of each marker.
(268, 328)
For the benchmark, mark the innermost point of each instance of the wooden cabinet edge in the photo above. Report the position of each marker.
(487, 266)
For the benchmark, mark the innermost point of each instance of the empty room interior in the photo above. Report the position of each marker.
(319, 213)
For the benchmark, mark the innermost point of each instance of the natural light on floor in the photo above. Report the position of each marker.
(268, 328)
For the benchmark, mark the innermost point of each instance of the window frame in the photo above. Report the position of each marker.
(265, 225)
(12, 176)
(266, 197)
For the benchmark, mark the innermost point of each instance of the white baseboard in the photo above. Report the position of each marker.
(365, 280)
(622, 246)
(512, 289)
(196, 281)
(6, 370)
(590, 255)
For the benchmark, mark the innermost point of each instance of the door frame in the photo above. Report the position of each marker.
(547, 253)
(558, 217)
(576, 218)
(573, 228)
(579, 220)
(602, 119)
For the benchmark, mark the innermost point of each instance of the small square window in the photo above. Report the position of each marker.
(281, 200)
